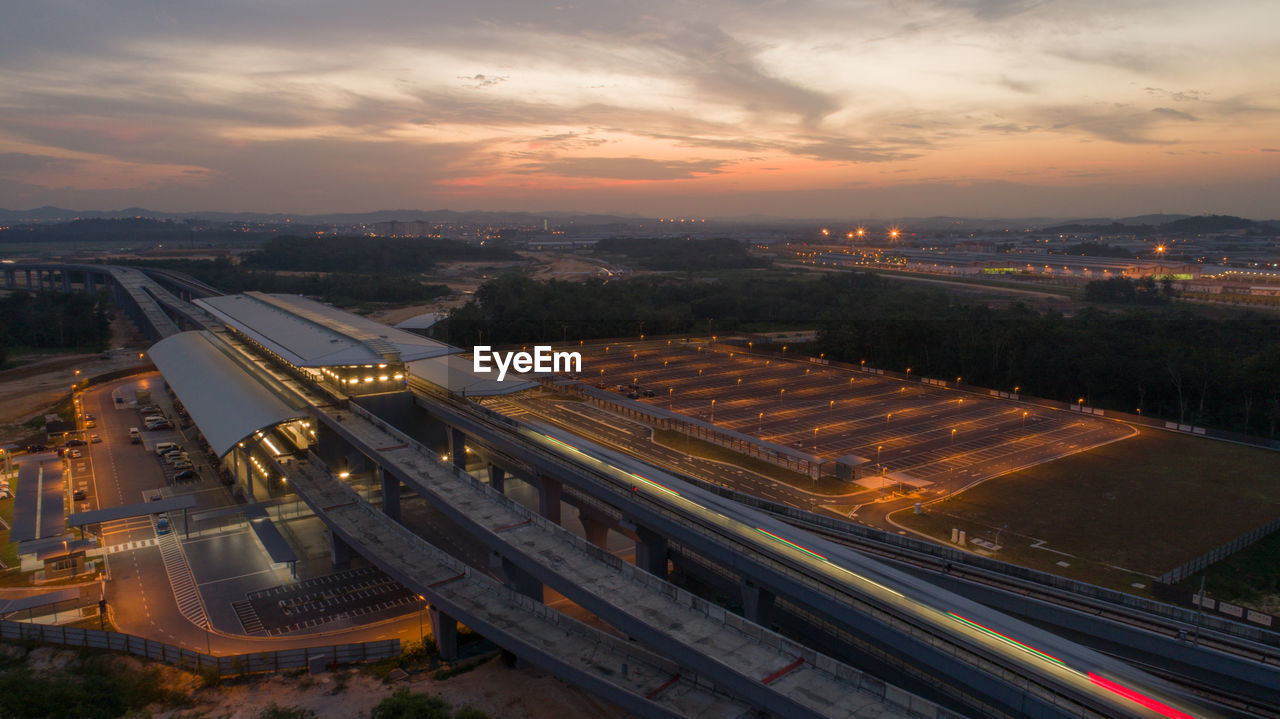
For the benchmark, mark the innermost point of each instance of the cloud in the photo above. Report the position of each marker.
(622, 168)
(479, 81)
(837, 150)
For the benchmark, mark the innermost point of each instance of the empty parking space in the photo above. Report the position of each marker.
(924, 434)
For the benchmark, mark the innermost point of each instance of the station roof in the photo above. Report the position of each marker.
(455, 373)
(307, 333)
(224, 398)
(38, 503)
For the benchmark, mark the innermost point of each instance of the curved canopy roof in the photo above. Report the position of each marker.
(307, 333)
(226, 401)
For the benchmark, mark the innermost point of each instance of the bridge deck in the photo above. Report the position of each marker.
(638, 680)
(747, 658)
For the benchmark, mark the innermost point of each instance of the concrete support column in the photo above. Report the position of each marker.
(757, 603)
(549, 498)
(445, 629)
(595, 528)
(9, 279)
(90, 283)
(458, 448)
(28, 286)
(498, 478)
(651, 551)
(515, 578)
(390, 492)
(340, 551)
(66, 281)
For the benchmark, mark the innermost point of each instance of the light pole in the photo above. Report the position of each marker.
(953, 436)
(780, 393)
(713, 410)
(878, 448)
(760, 423)
(670, 399)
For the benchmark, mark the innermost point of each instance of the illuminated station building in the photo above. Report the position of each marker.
(352, 354)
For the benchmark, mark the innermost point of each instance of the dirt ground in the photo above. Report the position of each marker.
(31, 389)
(557, 266)
(520, 693)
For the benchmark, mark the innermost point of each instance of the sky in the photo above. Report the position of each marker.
(698, 108)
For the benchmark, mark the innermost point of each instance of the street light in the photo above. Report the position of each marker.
(953, 435)
(760, 423)
(713, 410)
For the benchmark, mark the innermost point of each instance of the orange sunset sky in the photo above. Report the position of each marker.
(715, 108)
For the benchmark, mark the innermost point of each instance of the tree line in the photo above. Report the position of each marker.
(1195, 368)
(366, 255)
(340, 288)
(683, 253)
(54, 320)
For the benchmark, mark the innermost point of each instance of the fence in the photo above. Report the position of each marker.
(254, 663)
(1219, 553)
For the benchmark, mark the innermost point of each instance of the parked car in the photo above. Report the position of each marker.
(159, 426)
(90, 424)
(183, 464)
(166, 446)
(78, 495)
(76, 443)
(95, 439)
(162, 526)
(89, 418)
(76, 454)
(184, 475)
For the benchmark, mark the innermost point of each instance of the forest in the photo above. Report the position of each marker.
(340, 288)
(679, 253)
(366, 255)
(53, 320)
(1167, 361)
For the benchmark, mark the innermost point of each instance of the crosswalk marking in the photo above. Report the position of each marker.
(190, 604)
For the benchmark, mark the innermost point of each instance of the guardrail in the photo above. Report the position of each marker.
(230, 665)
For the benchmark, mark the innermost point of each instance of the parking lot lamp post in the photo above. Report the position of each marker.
(670, 397)
(953, 436)
(713, 411)
(760, 423)
(421, 608)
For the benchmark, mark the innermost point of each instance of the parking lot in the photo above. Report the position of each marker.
(915, 433)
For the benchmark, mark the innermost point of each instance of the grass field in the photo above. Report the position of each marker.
(1137, 507)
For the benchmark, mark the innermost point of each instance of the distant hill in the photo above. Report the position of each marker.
(43, 215)
(1183, 225)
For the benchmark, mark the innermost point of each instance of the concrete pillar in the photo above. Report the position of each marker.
(340, 551)
(28, 279)
(445, 629)
(757, 603)
(515, 578)
(9, 279)
(595, 528)
(458, 448)
(66, 281)
(651, 551)
(390, 492)
(548, 498)
(90, 283)
(498, 478)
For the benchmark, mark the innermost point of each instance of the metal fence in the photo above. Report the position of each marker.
(1219, 553)
(231, 665)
